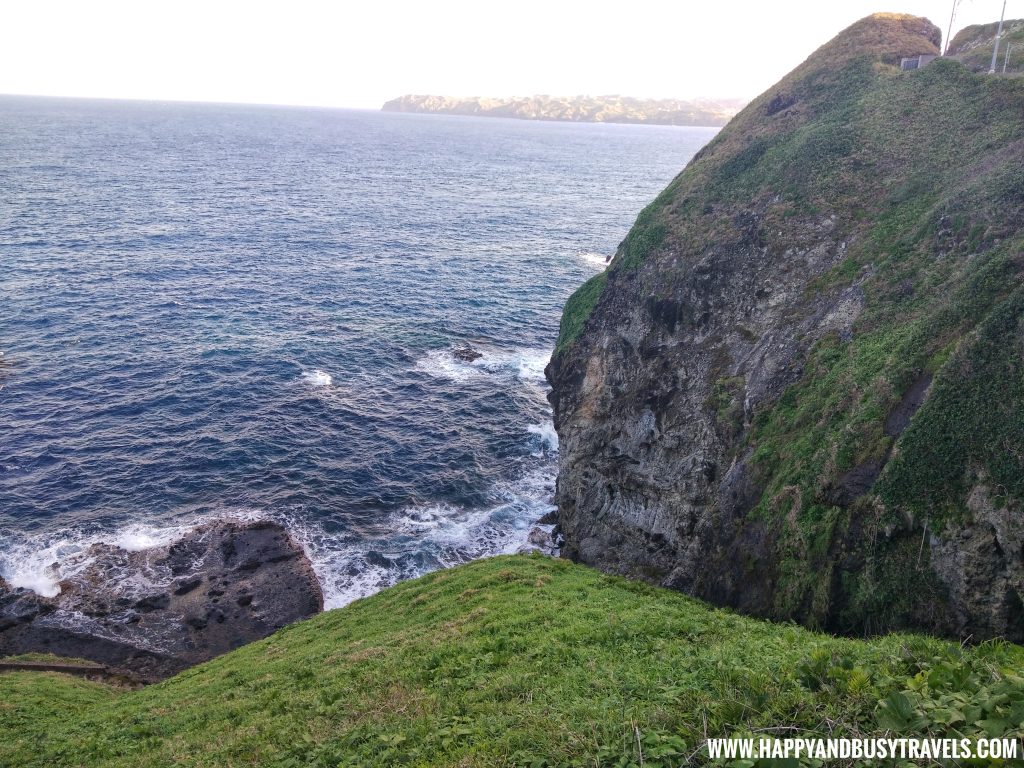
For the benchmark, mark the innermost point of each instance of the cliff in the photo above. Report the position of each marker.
(580, 109)
(798, 388)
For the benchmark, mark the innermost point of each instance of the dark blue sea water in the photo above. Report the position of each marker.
(217, 310)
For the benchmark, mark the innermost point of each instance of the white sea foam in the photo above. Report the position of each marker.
(598, 260)
(349, 565)
(546, 435)
(32, 573)
(442, 364)
(317, 378)
(136, 538)
(39, 562)
(524, 364)
(416, 540)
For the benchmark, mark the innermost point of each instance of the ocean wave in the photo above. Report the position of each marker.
(349, 564)
(414, 541)
(39, 562)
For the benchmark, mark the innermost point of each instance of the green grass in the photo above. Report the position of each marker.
(578, 308)
(510, 661)
(47, 658)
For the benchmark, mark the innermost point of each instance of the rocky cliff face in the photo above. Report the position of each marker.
(798, 388)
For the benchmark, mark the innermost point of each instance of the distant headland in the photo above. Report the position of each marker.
(577, 109)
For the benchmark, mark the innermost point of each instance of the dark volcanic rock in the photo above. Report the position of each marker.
(152, 613)
(466, 354)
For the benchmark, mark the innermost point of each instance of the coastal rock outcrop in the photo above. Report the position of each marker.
(151, 613)
(797, 389)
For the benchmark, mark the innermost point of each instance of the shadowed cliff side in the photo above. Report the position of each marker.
(798, 388)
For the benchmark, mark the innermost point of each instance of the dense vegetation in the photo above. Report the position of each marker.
(524, 661)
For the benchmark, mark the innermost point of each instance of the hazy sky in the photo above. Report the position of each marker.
(358, 54)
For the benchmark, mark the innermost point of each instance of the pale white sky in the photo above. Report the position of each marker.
(358, 54)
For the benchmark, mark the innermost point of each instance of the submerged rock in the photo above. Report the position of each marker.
(152, 613)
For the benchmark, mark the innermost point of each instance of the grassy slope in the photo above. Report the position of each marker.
(508, 661)
(925, 171)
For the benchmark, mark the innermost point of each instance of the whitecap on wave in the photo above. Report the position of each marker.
(317, 378)
(349, 565)
(39, 562)
(547, 437)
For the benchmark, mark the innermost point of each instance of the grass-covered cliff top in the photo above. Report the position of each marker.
(524, 661)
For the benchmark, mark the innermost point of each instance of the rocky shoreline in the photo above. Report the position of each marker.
(152, 613)
(146, 615)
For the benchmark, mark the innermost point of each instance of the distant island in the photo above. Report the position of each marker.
(577, 109)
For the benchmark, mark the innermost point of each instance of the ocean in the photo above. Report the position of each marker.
(240, 311)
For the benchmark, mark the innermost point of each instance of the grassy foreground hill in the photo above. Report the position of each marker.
(512, 661)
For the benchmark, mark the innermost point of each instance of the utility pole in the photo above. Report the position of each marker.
(1006, 59)
(949, 32)
(999, 33)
